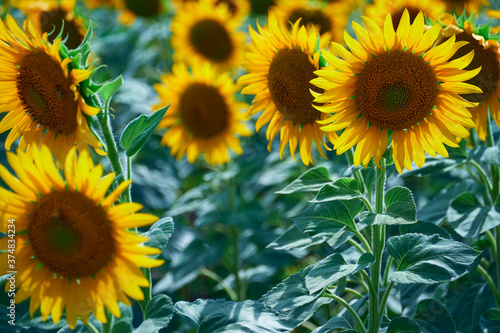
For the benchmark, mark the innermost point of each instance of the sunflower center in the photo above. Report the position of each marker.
(488, 76)
(261, 7)
(144, 8)
(396, 17)
(46, 94)
(211, 39)
(70, 234)
(396, 90)
(203, 110)
(53, 21)
(314, 16)
(288, 81)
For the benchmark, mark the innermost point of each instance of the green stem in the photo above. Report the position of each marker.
(214, 276)
(363, 240)
(385, 297)
(492, 240)
(356, 173)
(356, 245)
(367, 203)
(378, 244)
(107, 327)
(497, 231)
(495, 175)
(354, 292)
(371, 290)
(490, 282)
(234, 237)
(359, 322)
(91, 327)
(484, 177)
(387, 270)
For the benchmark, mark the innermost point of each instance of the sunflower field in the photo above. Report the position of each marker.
(268, 166)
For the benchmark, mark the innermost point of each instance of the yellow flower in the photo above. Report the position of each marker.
(379, 9)
(239, 9)
(73, 248)
(203, 116)
(202, 33)
(329, 19)
(395, 83)
(458, 6)
(280, 66)
(130, 9)
(487, 61)
(40, 93)
(48, 16)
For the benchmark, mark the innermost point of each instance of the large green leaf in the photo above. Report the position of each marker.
(433, 317)
(403, 325)
(469, 218)
(341, 189)
(294, 239)
(159, 233)
(429, 259)
(400, 208)
(310, 181)
(158, 314)
(328, 217)
(221, 316)
(332, 268)
(139, 130)
(490, 321)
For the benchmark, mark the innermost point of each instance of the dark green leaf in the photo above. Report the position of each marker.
(109, 88)
(329, 270)
(403, 325)
(469, 218)
(342, 189)
(328, 217)
(294, 239)
(139, 130)
(343, 320)
(434, 166)
(425, 228)
(429, 259)
(490, 321)
(399, 203)
(432, 317)
(310, 181)
(487, 155)
(221, 316)
(158, 314)
(159, 234)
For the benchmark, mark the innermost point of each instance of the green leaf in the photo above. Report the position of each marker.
(403, 325)
(490, 321)
(310, 181)
(139, 130)
(429, 259)
(400, 208)
(109, 88)
(221, 316)
(294, 239)
(435, 166)
(469, 218)
(320, 219)
(486, 155)
(425, 228)
(331, 269)
(292, 299)
(342, 189)
(432, 317)
(158, 314)
(343, 320)
(159, 234)
(124, 323)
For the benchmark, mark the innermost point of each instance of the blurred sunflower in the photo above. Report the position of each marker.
(486, 59)
(280, 66)
(202, 33)
(203, 116)
(130, 9)
(395, 86)
(379, 9)
(239, 9)
(93, 4)
(458, 6)
(40, 93)
(330, 19)
(48, 16)
(494, 14)
(73, 247)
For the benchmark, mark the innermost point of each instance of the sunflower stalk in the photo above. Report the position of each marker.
(378, 244)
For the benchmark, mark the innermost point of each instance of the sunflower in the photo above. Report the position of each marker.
(48, 16)
(40, 93)
(131, 9)
(459, 6)
(330, 19)
(379, 9)
(280, 66)
(395, 86)
(201, 32)
(203, 116)
(73, 247)
(239, 9)
(93, 4)
(486, 60)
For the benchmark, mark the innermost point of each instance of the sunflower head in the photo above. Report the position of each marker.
(238, 9)
(202, 33)
(131, 9)
(203, 116)
(42, 91)
(486, 58)
(281, 64)
(73, 248)
(394, 85)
